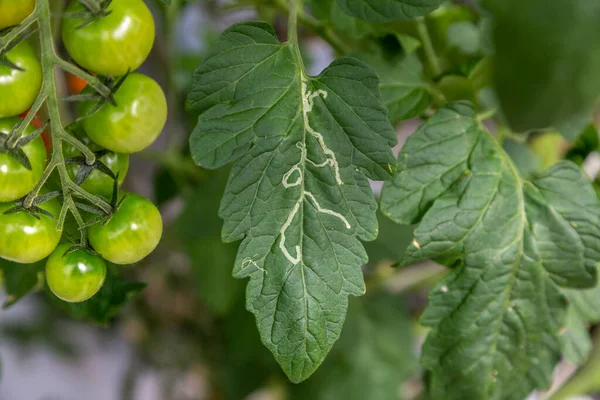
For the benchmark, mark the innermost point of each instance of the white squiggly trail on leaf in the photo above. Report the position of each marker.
(331, 160)
(250, 262)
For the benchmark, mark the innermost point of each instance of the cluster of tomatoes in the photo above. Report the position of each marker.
(110, 41)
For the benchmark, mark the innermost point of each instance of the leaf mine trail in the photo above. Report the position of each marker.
(308, 102)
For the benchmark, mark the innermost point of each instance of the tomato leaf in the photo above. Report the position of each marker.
(546, 73)
(584, 309)
(298, 194)
(388, 10)
(402, 87)
(514, 245)
(20, 279)
(375, 351)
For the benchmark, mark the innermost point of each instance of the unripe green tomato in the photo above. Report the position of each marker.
(131, 234)
(134, 123)
(98, 182)
(74, 277)
(18, 89)
(13, 12)
(16, 180)
(26, 239)
(110, 45)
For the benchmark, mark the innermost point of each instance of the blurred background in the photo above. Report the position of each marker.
(186, 335)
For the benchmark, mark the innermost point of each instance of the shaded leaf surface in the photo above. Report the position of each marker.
(402, 87)
(298, 195)
(514, 245)
(199, 228)
(388, 10)
(19, 279)
(546, 73)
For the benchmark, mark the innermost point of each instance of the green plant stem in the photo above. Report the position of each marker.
(487, 114)
(49, 60)
(92, 81)
(16, 134)
(6, 39)
(294, 6)
(430, 56)
(315, 25)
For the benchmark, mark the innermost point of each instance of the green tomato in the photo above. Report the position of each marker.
(131, 234)
(110, 45)
(98, 182)
(26, 239)
(18, 89)
(16, 180)
(74, 277)
(14, 11)
(134, 123)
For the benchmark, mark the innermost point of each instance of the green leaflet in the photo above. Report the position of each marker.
(388, 10)
(402, 86)
(298, 194)
(584, 309)
(514, 246)
(373, 357)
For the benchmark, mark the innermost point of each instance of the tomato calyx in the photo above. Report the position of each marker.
(35, 211)
(86, 169)
(13, 147)
(78, 247)
(102, 216)
(94, 10)
(100, 99)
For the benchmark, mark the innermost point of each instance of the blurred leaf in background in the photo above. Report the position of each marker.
(20, 279)
(372, 358)
(199, 229)
(115, 294)
(547, 60)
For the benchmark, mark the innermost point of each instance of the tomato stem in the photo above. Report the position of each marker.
(48, 93)
(316, 26)
(15, 135)
(91, 80)
(430, 56)
(19, 30)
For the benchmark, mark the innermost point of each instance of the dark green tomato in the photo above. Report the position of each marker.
(74, 277)
(134, 123)
(13, 12)
(26, 239)
(16, 180)
(110, 45)
(98, 182)
(18, 89)
(131, 234)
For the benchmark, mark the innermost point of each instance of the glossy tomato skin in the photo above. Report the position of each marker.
(134, 123)
(98, 182)
(131, 234)
(74, 277)
(26, 239)
(114, 44)
(16, 180)
(13, 12)
(18, 89)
